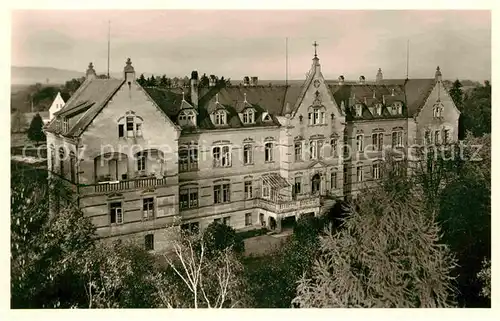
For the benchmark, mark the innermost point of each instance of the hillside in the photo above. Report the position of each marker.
(49, 75)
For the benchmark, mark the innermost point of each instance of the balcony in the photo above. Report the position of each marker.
(287, 206)
(123, 185)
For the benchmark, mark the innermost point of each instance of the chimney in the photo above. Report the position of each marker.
(379, 77)
(212, 81)
(254, 81)
(438, 76)
(246, 81)
(341, 80)
(392, 94)
(129, 71)
(194, 88)
(361, 80)
(91, 72)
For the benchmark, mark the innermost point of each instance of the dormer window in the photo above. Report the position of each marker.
(248, 116)
(187, 118)
(130, 126)
(397, 108)
(65, 125)
(220, 117)
(358, 109)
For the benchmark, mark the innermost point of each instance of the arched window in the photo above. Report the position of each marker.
(316, 116)
(72, 166)
(220, 117)
(61, 161)
(247, 154)
(268, 152)
(248, 116)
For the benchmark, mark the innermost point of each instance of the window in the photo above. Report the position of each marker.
(397, 139)
(359, 173)
(376, 171)
(248, 116)
(120, 130)
(265, 191)
(138, 130)
(248, 219)
(269, 152)
(65, 125)
(297, 186)
(61, 161)
(222, 156)
(72, 166)
(226, 220)
(52, 159)
(248, 190)
(446, 136)
(437, 136)
(148, 205)
(188, 158)
(247, 154)
(115, 213)
(315, 148)
(377, 141)
(220, 117)
(378, 109)
(217, 221)
(333, 145)
(298, 151)
(193, 227)
(130, 126)
(438, 111)
(149, 242)
(316, 116)
(333, 180)
(427, 137)
(188, 197)
(359, 110)
(397, 108)
(359, 143)
(141, 161)
(221, 193)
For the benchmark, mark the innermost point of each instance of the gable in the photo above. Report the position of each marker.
(131, 100)
(316, 94)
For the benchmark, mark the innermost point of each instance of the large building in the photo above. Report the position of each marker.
(140, 159)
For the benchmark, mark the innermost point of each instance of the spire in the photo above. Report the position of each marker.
(129, 71)
(217, 98)
(245, 97)
(315, 66)
(374, 94)
(379, 76)
(90, 72)
(183, 96)
(438, 76)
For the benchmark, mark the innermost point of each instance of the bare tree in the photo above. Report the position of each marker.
(202, 282)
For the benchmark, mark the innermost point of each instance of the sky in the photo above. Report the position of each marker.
(240, 43)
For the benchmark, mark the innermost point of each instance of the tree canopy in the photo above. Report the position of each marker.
(35, 131)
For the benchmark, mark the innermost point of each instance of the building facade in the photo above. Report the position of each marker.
(140, 159)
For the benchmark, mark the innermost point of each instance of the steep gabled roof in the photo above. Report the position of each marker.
(92, 96)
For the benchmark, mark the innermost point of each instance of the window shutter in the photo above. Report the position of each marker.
(120, 130)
